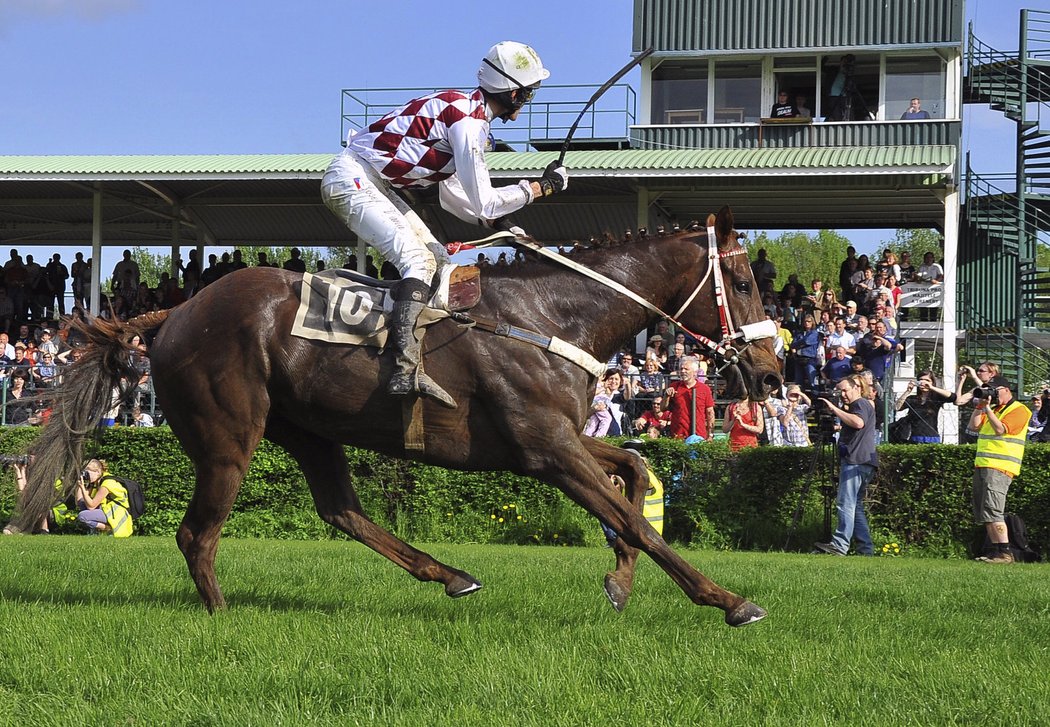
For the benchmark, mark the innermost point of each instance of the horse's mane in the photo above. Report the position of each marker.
(587, 253)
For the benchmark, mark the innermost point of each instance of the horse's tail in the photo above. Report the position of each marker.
(90, 387)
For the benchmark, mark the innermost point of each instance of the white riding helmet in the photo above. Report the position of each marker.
(509, 66)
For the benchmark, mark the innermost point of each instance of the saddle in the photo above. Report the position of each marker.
(343, 306)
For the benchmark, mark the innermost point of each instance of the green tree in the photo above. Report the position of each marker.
(808, 256)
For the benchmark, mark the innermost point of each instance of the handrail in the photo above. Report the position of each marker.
(548, 117)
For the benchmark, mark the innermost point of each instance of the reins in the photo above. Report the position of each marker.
(726, 348)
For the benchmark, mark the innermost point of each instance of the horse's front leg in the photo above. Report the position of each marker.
(630, 468)
(573, 470)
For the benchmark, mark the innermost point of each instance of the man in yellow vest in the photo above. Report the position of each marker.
(1002, 423)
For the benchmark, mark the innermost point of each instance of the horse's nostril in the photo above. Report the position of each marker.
(771, 382)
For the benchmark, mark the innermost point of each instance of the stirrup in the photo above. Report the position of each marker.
(405, 383)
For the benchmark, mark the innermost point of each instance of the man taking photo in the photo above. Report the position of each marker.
(1002, 423)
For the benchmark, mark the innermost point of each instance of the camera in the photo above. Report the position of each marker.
(987, 392)
(7, 460)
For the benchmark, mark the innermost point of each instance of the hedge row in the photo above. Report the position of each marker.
(769, 498)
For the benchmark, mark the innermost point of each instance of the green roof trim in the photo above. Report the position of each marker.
(925, 159)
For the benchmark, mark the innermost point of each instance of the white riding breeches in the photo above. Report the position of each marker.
(365, 202)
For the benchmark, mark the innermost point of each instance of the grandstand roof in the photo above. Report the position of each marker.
(274, 198)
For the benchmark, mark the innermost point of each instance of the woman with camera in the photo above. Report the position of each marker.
(924, 407)
(103, 501)
(857, 464)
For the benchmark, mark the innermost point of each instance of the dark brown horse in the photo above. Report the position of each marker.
(228, 373)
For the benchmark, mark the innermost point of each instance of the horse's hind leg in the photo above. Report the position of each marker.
(220, 459)
(325, 467)
(631, 469)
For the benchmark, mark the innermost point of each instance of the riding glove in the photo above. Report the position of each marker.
(555, 178)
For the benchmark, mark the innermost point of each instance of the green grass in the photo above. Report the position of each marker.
(96, 631)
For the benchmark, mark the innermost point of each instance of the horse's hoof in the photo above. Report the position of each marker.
(616, 593)
(462, 585)
(744, 614)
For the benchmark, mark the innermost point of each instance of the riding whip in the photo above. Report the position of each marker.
(598, 94)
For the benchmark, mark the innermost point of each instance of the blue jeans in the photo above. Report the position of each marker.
(853, 523)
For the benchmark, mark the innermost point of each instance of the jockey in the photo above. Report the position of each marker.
(436, 139)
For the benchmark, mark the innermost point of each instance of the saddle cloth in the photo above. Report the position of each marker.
(342, 306)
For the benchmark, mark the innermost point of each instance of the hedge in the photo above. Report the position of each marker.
(770, 498)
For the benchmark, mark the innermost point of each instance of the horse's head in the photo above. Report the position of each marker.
(738, 322)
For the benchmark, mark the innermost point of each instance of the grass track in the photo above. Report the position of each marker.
(330, 633)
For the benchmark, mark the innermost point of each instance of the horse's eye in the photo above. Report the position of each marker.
(743, 286)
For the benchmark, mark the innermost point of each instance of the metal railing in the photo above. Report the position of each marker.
(547, 118)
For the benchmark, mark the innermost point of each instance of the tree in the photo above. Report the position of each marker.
(807, 256)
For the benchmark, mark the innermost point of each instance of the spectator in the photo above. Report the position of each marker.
(771, 408)
(838, 366)
(805, 348)
(80, 273)
(238, 262)
(6, 349)
(15, 278)
(907, 269)
(792, 417)
(783, 108)
(657, 418)
(211, 273)
(295, 263)
(45, 373)
(984, 373)
(876, 349)
(858, 461)
(743, 423)
(1002, 423)
(846, 270)
(675, 359)
(842, 337)
(127, 265)
(930, 271)
(651, 380)
(657, 350)
(914, 111)
(924, 408)
(19, 401)
(803, 109)
(619, 391)
(764, 271)
(852, 319)
(102, 501)
(57, 275)
(140, 418)
(691, 404)
(781, 345)
(810, 302)
(600, 419)
(263, 261)
(888, 266)
(626, 365)
(875, 392)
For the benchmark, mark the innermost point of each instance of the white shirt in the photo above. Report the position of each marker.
(931, 272)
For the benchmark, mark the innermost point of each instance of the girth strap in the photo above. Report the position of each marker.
(553, 344)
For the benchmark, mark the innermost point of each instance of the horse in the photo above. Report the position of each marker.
(227, 372)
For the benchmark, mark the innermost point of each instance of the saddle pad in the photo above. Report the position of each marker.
(336, 306)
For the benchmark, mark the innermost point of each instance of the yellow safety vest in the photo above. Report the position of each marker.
(115, 507)
(653, 509)
(1002, 452)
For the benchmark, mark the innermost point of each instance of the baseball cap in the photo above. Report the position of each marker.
(1002, 381)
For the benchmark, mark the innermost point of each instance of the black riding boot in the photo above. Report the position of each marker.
(409, 302)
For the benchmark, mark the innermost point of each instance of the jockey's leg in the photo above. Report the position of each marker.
(367, 205)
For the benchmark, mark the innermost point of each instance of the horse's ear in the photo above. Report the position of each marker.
(711, 220)
(724, 226)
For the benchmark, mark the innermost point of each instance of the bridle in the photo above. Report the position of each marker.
(727, 348)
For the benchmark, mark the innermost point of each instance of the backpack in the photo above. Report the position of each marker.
(136, 501)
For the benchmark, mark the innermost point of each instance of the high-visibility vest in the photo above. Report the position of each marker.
(1002, 452)
(653, 509)
(115, 507)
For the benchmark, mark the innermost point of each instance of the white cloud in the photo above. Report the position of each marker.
(12, 11)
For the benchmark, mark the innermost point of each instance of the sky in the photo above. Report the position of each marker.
(264, 77)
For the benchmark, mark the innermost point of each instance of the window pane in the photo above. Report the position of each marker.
(852, 87)
(679, 93)
(921, 77)
(738, 92)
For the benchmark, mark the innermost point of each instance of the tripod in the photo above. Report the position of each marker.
(823, 468)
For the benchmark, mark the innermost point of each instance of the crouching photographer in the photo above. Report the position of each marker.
(858, 461)
(1002, 424)
(102, 501)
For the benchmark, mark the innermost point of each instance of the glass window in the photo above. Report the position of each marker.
(738, 92)
(801, 88)
(915, 77)
(679, 93)
(851, 87)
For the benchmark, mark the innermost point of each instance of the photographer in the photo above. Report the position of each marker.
(924, 407)
(103, 502)
(857, 464)
(983, 373)
(1002, 423)
(18, 464)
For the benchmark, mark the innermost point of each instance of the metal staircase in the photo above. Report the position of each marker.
(1004, 296)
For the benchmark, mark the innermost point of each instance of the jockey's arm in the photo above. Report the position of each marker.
(469, 194)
